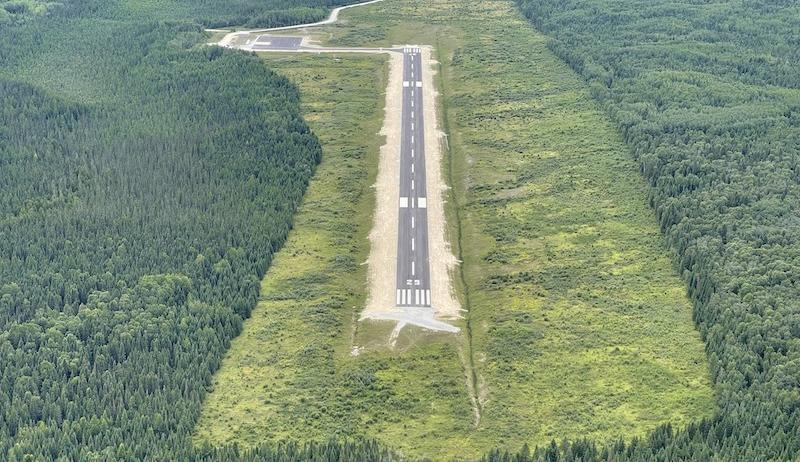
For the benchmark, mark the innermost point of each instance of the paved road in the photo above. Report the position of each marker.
(413, 268)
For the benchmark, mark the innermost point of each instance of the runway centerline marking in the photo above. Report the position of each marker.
(412, 238)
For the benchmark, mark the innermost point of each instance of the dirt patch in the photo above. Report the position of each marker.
(382, 259)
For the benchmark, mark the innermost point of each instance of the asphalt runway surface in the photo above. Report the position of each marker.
(274, 42)
(413, 266)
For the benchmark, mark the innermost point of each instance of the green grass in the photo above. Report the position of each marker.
(580, 327)
(291, 374)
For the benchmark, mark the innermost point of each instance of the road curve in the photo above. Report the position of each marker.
(332, 18)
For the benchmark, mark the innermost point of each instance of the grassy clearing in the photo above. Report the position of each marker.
(579, 326)
(291, 374)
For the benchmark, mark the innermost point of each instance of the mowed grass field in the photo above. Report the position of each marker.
(578, 325)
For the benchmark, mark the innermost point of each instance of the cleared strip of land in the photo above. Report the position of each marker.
(577, 324)
(383, 237)
(304, 367)
(438, 264)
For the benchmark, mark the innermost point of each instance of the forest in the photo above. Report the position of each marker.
(146, 183)
(707, 97)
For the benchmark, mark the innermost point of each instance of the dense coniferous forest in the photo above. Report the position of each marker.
(707, 96)
(146, 183)
(210, 13)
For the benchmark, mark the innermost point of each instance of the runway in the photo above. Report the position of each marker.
(410, 261)
(413, 265)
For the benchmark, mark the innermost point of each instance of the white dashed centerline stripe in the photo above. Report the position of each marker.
(412, 185)
(412, 244)
(413, 269)
(412, 222)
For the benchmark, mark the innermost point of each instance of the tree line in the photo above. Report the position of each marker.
(705, 95)
(147, 181)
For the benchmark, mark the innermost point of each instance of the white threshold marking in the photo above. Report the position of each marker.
(403, 202)
(398, 296)
(427, 296)
(422, 203)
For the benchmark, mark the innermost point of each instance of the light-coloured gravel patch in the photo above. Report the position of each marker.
(382, 259)
(442, 261)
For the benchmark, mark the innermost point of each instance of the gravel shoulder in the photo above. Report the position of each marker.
(383, 237)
